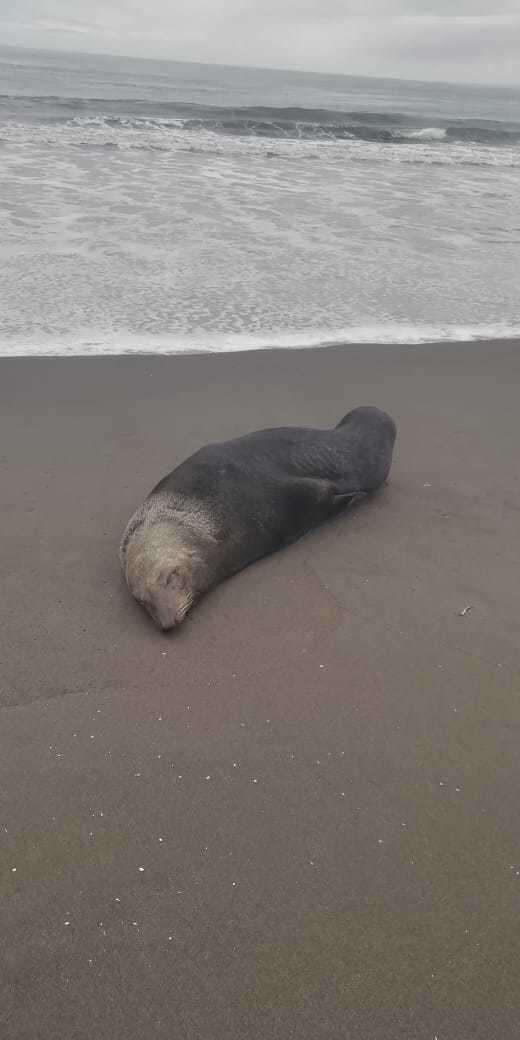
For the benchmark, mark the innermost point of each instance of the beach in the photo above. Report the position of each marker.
(297, 816)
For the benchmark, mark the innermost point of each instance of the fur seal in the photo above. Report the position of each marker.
(231, 503)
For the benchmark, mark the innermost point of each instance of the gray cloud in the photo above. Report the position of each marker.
(462, 40)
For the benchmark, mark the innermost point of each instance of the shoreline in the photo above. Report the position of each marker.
(297, 816)
(168, 346)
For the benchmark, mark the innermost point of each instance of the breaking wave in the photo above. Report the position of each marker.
(257, 121)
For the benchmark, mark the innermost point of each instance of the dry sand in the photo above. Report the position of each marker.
(297, 817)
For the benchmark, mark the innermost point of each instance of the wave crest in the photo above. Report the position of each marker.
(289, 122)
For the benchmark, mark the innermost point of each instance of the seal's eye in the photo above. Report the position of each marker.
(171, 576)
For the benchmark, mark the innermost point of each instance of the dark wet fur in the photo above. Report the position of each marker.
(267, 488)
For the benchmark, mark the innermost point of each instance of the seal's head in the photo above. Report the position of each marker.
(159, 572)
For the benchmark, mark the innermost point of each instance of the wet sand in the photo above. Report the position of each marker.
(297, 816)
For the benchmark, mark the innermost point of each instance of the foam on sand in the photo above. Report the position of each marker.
(87, 344)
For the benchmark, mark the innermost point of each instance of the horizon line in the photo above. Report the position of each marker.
(257, 68)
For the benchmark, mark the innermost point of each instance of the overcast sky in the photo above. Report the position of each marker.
(459, 40)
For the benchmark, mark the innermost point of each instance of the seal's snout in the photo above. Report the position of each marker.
(164, 614)
(167, 600)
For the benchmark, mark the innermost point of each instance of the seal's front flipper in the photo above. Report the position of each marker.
(350, 498)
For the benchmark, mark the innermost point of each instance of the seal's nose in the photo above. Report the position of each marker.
(167, 624)
(163, 610)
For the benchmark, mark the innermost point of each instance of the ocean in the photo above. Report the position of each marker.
(152, 206)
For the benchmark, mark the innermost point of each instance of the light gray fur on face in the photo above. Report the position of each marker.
(160, 561)
(159, 573)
